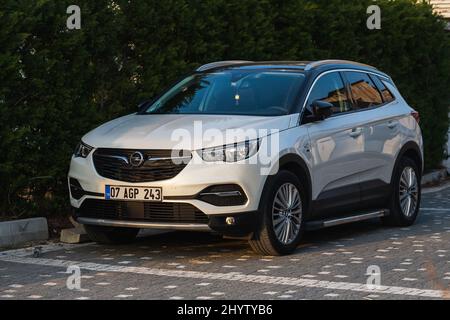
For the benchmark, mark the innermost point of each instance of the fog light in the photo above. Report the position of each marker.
(75, 189)
(223, 195)
(230, 221)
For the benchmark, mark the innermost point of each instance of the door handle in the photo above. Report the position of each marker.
(356, 132)
(392, 124)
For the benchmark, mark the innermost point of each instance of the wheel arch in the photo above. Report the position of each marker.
(411, 150)
(295, 164)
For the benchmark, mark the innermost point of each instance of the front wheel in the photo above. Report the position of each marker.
(405, 200)
(111, 235)
(281, 216)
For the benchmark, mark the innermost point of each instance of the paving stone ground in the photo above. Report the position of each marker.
(332, 263)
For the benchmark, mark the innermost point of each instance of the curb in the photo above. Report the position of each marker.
(16, 232)
(434, 176)
(74, 235)
(435, 189)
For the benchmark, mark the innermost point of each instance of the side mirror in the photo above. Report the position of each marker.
(322, 109)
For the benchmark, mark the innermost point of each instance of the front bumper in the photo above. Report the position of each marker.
(144, 224)
(180, 193)
(184, 187)
(243, 224)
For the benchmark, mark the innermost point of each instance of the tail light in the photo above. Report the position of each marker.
(416, 116)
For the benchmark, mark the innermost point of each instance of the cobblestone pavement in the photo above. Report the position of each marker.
(330, 264)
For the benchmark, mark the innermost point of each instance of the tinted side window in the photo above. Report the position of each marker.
(331, 88)
(364, 91)
(387, 95)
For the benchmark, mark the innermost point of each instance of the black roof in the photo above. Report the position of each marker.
(320, 65)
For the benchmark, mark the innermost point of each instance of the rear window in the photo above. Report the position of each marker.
(385, 93)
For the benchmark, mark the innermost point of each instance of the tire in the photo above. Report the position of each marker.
(111, 235)
(404, 213)
(267, 239)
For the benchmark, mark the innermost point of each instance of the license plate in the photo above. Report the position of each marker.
(133, 193)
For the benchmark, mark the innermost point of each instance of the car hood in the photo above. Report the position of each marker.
(182, 131)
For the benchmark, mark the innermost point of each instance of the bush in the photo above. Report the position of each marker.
(57, 84)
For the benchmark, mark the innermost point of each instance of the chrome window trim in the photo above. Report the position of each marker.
(341, 70)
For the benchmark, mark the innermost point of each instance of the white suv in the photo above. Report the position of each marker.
(254, 150)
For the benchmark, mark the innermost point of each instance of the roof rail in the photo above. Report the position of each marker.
(322, 62)
(219, 64)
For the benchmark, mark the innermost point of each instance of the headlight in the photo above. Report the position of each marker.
(82, 150)
(230, 153)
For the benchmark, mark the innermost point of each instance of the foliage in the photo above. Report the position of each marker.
(56, 84)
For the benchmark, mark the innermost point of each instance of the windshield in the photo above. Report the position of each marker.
(237, 92)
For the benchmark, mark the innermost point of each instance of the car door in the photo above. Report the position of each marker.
(337, 146)
(380, 134)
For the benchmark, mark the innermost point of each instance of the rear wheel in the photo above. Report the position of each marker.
(281, 216)
(405, 200)
(111, 235)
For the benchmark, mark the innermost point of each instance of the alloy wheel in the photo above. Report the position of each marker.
(409, 191)
(287, 213)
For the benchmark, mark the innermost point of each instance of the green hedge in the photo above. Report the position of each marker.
(57, 84)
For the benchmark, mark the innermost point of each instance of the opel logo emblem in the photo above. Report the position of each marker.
(136, 159)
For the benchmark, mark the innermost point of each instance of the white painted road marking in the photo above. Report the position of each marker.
(260, 279)
(51, 247)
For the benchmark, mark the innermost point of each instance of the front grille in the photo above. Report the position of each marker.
(141, 211)
(158, 165)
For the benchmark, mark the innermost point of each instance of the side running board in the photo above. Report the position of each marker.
(319, 224)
